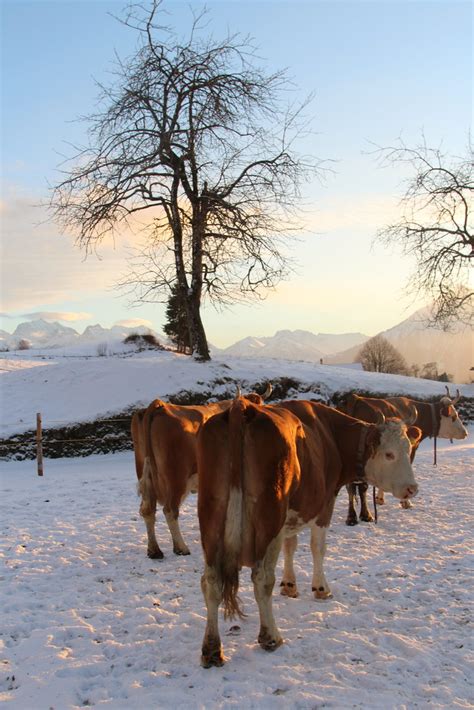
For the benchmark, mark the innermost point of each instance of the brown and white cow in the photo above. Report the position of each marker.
(437, 419)
(263, 475)
(164, 442)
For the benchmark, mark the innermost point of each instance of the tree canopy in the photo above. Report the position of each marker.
(197, 135)
(436, 227)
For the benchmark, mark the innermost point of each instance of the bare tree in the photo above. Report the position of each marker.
(436, 226)
(196, 134)
(379, 355)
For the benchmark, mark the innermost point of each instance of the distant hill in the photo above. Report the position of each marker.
(43, 334)
(293, 345)
(453, 351)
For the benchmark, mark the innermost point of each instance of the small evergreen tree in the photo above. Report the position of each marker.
(176, 326)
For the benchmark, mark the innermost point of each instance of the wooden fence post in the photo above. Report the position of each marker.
(39, 444)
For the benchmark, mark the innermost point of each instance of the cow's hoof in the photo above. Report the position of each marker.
(380, 501)
(352, 521)
(214, 658)
(289, 589)
(367, 517)
(155, 554)
(406, 504)
(268, 643)
(321, 593)
(182, 552)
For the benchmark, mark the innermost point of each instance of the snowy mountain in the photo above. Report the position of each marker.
(43, 334)
(293, 345)
(453, 351)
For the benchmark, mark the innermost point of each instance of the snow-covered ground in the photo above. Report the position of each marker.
(89, 620)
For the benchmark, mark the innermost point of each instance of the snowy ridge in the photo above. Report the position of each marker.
(453, 351)
(71, 388)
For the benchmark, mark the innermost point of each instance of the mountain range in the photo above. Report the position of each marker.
(453, 351)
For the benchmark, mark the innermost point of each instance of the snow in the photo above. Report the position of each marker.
(72, 387)
(89, 621)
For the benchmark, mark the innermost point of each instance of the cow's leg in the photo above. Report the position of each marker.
(379, 498)
(406, 503)
(172, 515)
(263, 578)
(148, 510)
(288, 584)
(211, 645)
(320, 586)
(365, 513)
(351, 511)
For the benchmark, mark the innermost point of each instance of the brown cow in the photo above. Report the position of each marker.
(264, 475)
(437, 419)
(164, 442)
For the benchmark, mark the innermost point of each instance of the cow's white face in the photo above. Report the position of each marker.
(451, 427)
(389, 467)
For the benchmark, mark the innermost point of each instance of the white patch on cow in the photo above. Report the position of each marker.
(233, 522)
(390, 468)
(294, 523)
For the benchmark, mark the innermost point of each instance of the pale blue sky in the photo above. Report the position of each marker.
(378, 69)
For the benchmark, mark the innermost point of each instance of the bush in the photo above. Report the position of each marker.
(379, 355)
(145, 341)
(24, 344)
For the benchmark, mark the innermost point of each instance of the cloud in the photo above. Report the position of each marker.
(134, 323)
(56, 315)
(41, 267)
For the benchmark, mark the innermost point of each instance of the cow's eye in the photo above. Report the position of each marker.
(389, 455)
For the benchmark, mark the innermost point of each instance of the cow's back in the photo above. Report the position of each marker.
(368, 409)
(248, 466)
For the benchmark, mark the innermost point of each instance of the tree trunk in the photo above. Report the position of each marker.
(197, 335)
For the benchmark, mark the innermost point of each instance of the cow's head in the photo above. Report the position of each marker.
(254, 397)
(389, 466)
(450, 426)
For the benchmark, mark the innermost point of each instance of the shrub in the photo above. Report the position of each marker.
(143, 341)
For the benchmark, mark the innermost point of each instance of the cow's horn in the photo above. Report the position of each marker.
(268, 391)
(457, 397)
(239, 392)
(380, 417)
(412, 417)
(447, 391)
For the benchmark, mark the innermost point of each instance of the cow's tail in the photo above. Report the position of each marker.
(234, 522)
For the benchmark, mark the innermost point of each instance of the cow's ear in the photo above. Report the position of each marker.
(414, 434)
(373, 439)
(447, 411)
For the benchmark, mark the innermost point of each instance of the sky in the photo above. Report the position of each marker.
(379, 71)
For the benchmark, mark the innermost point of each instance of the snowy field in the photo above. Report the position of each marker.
(67, 387)
(89, 620)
